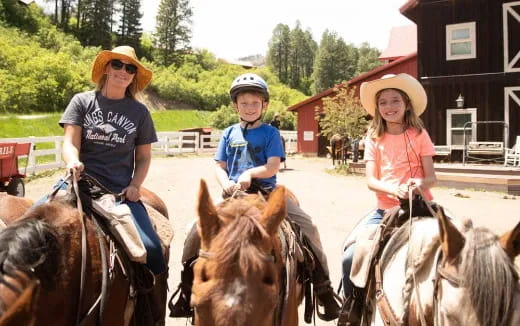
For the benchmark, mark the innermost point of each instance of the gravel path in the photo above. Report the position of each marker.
(335, 202)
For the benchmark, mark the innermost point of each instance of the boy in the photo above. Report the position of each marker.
(248, 158)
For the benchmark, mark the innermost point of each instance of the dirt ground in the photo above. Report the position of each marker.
(335, 202)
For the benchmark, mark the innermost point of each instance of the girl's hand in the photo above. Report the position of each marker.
(230, 188)
(76, 165)
(131, 193)
(416, 185)
(244, 180)
(401, 191)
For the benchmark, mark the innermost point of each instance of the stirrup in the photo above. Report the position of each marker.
(322, 289)
(181, 308)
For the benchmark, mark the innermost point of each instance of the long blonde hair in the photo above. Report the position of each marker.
(378, 126)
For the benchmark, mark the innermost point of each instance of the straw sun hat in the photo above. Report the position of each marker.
(403, 82)
(126, 53)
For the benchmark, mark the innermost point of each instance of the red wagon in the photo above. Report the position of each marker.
(11, 180)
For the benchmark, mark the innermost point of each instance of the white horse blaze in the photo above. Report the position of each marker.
(235, 293)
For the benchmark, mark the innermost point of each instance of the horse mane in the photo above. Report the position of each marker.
(30, 245)
(238, 241)
(486, 265)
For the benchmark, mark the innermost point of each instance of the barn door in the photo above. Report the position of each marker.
(511, 21)
(512, 113)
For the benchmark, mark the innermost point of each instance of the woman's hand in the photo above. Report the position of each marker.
(131, 193)
(244, 180)
(76, 166)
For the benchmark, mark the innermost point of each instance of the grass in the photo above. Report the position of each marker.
(12, 126)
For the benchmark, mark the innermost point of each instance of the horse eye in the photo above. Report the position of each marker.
(268, 280)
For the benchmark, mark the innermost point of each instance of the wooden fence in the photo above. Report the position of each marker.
(169, 143)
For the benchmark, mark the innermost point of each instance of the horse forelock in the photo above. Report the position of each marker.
(486, 266)
(240, 243)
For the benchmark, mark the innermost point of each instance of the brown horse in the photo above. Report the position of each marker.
(17, 295)
(238, 276)
(339, 147)
(45, 242)
(440, 274)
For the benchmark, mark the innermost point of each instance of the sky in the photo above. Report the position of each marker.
(237, 28)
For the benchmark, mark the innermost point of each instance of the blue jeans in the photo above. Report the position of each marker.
(154, 255)
(374, 217)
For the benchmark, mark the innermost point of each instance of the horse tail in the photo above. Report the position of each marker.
(30, 245)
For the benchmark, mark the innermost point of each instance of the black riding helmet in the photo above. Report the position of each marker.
(248, 82)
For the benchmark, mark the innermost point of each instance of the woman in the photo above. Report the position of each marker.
(108, 134)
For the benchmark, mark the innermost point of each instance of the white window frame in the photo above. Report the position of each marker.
(472, 26)
(510, 14)
(449, 129)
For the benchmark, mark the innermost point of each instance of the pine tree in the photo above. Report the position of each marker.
(173, 30)
(130, 30)
(95, 25)
(368, 58)
(334, 63)
(278, 52)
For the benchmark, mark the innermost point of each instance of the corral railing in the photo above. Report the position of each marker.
(46, 152)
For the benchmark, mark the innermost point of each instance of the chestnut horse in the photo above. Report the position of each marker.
(238, 277)
(45, 243)
(440, 274)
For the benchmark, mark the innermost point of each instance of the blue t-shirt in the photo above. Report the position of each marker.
(242, 154)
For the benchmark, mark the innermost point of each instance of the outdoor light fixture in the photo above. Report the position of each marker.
(460, 102)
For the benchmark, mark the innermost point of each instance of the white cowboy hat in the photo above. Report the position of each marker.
(403, 82)
(127, 53)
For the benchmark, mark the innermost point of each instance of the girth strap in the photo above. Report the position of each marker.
(385, 309)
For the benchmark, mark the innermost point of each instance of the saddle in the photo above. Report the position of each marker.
(125, 248)
(365, 272)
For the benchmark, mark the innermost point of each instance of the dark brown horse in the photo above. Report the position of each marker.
(339, 147)
(45, 242)
(238, 278)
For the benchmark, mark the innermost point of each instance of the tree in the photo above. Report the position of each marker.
(130, 30)
(95, 23)
(368, 58)
(173, 30)
(278, 53)
(342, 114)
(334, 63)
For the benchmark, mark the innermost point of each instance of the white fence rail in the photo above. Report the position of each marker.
(169, 143)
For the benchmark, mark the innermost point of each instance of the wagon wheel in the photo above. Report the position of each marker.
(16, 187)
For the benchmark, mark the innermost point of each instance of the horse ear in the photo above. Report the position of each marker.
(510, 242)
(209, 223)
(452, 240)
(275, 211)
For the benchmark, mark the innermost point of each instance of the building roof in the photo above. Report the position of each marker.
(402, 42)
(379, 69)
(409, 9)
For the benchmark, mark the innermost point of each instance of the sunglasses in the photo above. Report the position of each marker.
(118, 65)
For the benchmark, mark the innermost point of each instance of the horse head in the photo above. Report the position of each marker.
(237, 276)
(477, 283)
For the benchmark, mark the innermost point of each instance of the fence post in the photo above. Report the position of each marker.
(31, 160)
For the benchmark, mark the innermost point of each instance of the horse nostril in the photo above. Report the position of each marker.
(204, 276)
(268, 280)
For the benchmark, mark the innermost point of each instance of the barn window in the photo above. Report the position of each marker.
(461, 41)
(456, 119)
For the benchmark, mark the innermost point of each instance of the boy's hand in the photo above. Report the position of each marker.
(230, 188)
(244, 180)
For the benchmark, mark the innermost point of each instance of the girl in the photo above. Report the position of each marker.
(398, 150)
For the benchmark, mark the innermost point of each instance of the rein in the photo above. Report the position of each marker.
(74, 177)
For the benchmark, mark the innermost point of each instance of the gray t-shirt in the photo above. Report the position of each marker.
(111, 131)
